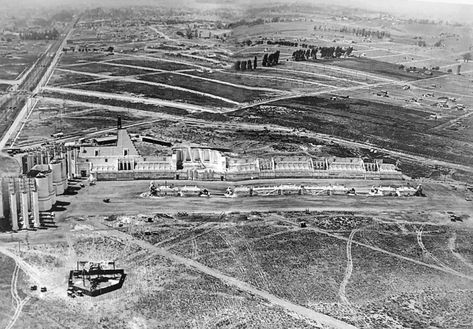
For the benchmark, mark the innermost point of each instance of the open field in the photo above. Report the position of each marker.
(358, 120)
(62, 78)
(258, 79)
(104, 69)
(234, 93)
(151, 91)
(382, 68)
(154, 64)
(6, 307)
(51, 117)
(4, 87)
(155, 286)
(80, 58)
(267, 251)
(18, 56)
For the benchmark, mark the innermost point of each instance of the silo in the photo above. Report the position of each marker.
(64, 173)
(24, 210)
(44, 198)
(52, 190)
(14, 212)
(35, 207)
(2, 201)
(58, 182)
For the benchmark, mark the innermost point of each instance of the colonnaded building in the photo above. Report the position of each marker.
(122, 161)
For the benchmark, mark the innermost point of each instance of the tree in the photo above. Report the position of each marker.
(255, 63)
(466, 57)
(237, 65)
(276, 57)
(248, 64)
(189, 33)
(243, 65)
(349, 51)
(265, 60)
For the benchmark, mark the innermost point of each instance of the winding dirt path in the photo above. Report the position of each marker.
(451, 246)
(19, 304)
(348, 271)
(435, 259)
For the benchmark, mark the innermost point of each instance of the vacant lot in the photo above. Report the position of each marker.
(138, 89)
(6, 306)
(259, 78)
(62, 78)
(158, 293)
(325, 70)
(23, 55)
(123, 105)
(301, 266)
(360, 120)
(106, 69)
(51, 117)
(234, 93)
(4, 87)
(308, 267)
(12, 70)
(83, 58)
(155, 64)
(382, 68)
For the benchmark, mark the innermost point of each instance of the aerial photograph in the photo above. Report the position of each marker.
(236, 164)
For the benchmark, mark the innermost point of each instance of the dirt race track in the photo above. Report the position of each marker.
(125, 198)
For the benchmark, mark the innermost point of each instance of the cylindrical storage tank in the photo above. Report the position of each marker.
(64, 173)
(56, 168)
(52, 190)
(44, 198)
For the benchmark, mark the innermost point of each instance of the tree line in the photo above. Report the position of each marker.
(268, 60)
(246, 65)
(366, 33)
(325, 52)
(44, 35)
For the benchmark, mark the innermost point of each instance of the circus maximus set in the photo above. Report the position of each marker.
(45, 173)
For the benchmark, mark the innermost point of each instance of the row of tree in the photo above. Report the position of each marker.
(244, 22)
(366, 33)
(246, 65)
(283, 43)
(43, 35)
(268, 60)
(325, 52)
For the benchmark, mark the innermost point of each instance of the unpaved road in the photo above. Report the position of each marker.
(348, 271)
